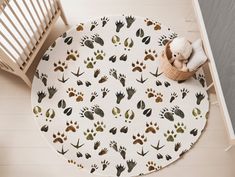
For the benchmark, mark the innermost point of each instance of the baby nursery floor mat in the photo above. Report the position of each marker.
(100, 100)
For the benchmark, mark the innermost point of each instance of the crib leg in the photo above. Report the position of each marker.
(228, 148)
(62, 13)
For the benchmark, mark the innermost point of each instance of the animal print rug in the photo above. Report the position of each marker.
(101, 101)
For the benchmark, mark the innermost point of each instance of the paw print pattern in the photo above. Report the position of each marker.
(184, 92)
(41, 96)
(79, 97)
(93, 96)
(104, 21)
(199, 96)
(93, 25)
(129, 20)
(71, 126)
(180, 127)
(151, 166)
(99, 54)
(150, 55)
(104, 164)
(71, 92)
(173, 97)
(162, 41)
(158, 97)
(170, 135)
(44, 79)
(106, 95)
(150, 92)
(139, 139)
(122, 79)
(72, 55)
(99, 126)
(97, 110)
(104, 91)
(90, 134)
(59, 138)
(60, 66)
(103, 79)
(94, 167)
(97, 39)
(122, 151)
(103, 151)
(138, 66)
(119, 24)
(177, 111)
(89, 62)
(80, 27)
(201, 79)
(85, 41)
(151, 127)
(166, 114)
(85, 112)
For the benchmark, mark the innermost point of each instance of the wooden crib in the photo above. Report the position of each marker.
(24, 27)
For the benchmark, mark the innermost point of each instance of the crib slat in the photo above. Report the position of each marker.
(43, 14)
(13, 24)
(35, 10)
(39, 31)
(13, 48)
(21, 24)
(26, 19)
(55, 5)
(52, 9)
(48, 12)
(8, 52)
(14, 37)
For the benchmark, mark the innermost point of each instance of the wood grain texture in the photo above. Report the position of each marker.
(24, 152)
(220, 24)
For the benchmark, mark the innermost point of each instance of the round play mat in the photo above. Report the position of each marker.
(101, 101)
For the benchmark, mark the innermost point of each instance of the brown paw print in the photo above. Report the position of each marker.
(151, 127)
(75, 163)
(158, 97)
(72, 55)
(103, 79)
(157, 26)
(80, 27)
(59, 138)
(79, 96)
(71, 92)
(103, 151)
(150, 92)
(139, 139)
(138, 66)
(150, 55)
(148, 22)
(71, 126)
(60, 66)
(151, 166)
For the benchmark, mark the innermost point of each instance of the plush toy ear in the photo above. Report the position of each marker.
(198, 56)
(168, 52)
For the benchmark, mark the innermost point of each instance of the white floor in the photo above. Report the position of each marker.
(24, 152)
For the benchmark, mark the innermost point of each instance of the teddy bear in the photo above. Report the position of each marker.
(180, 50)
